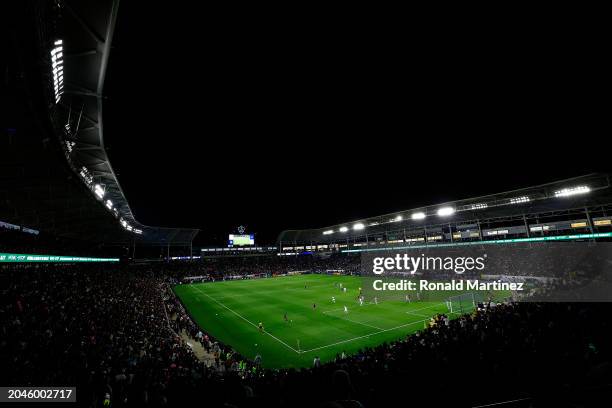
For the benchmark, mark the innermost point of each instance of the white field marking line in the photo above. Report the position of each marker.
(363, 324)
(361, 337)
(246, 320)
(428, 307)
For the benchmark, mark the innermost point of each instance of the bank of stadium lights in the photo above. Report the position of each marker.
(99, 191)
(519, 200)
(87, 177)
(57, 69)
(396, 219)
(446, 211)
(358, 227)
(128, 227)
(479, 206)
(372, 224)
(328, 232)
(566, 192)
(418, 215)
(343, 229)
(109, 204)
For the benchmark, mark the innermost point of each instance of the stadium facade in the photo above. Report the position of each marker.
(576, 208)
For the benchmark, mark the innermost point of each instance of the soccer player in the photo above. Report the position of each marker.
(407, 298)
(375, 300)
(314, 306)
(345, 309)
(333, 299)
(285, 317)
(260, 327)
(360, 301)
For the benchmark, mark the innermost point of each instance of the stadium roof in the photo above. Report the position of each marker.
(590, 191)
(66, 183)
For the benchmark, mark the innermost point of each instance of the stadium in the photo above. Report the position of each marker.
(484, 300)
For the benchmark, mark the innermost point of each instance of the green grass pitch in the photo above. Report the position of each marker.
(231, 310)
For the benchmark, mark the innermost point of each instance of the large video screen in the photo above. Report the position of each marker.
(241, 240)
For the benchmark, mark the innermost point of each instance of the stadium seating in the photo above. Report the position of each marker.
(121, 332)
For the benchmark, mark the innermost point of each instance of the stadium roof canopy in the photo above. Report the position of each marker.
(569, 196)
(58, 177)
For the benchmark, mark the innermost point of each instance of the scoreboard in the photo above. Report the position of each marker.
(241, 240)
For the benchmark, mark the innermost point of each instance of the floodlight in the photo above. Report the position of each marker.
(99, 191)
(328, 232)
(519, 200)
(418, 215)
(479, 206)
(359, 226)
(343, 229)
(109, 204)
(446, 211)
(57, 69)
(566, 192)
(399, 218)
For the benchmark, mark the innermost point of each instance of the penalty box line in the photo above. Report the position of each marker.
(246, 320)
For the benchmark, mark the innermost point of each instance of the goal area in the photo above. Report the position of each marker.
(463, 303)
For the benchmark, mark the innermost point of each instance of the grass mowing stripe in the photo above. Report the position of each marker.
(354, 321)
(337, 310)
(428, 307)
(364, 336)
(246, 320)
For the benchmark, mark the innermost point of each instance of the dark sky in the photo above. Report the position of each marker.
(213, 122)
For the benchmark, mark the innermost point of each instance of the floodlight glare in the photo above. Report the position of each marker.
(418, 215)
(328, 232)
(398, 218)
(519, 200)
(358, 226)
(109, 204)
(566, 192)
(99, 191)
(446, 211)
(479, 206)
(343, 229)
(57, 69)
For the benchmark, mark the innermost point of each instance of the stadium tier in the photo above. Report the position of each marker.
(581, 205)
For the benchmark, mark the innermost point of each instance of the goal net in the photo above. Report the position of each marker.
(463, 303)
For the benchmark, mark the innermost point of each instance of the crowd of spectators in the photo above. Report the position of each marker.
(115, 333)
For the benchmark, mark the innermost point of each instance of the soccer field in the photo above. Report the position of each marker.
(231, 311)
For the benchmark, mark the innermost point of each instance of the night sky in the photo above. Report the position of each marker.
(214, 122)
